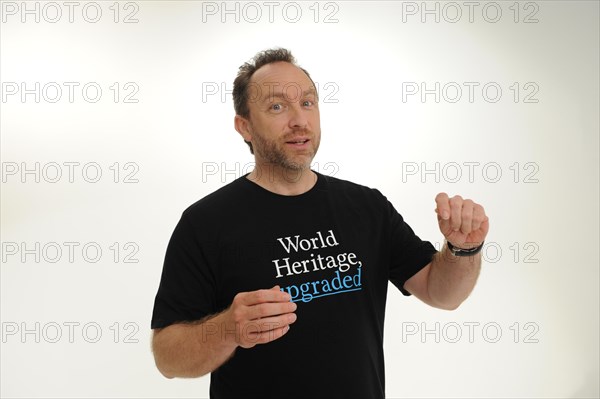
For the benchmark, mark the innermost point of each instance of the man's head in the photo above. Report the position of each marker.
(277, 114)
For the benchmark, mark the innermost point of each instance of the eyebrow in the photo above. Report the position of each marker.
(281, 95)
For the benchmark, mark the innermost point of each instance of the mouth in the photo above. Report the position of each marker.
(298, 142)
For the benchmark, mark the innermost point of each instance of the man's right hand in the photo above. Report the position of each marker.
(260, 316)
(195, 349)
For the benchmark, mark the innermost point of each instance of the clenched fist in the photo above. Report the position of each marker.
(462, 221)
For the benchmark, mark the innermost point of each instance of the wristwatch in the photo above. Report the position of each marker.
(464, 252)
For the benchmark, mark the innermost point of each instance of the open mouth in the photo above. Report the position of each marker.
(298, 142)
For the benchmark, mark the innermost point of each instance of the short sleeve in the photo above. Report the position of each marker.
(409, 254)
(187, 287)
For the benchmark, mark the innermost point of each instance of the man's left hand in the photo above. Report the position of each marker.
(462, 221)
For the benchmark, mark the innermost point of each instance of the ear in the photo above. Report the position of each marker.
(242, 125)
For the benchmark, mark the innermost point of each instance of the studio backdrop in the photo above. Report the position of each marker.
(117, 115)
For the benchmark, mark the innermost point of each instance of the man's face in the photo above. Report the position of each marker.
(284, 124)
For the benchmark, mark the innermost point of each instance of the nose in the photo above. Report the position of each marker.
(298, 119)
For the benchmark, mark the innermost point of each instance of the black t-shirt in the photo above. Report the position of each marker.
(333, 248)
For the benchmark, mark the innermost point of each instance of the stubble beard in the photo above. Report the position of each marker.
(273, 154)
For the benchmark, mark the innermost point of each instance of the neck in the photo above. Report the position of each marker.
(283, 181)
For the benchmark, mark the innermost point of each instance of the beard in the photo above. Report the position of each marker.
(274, 152)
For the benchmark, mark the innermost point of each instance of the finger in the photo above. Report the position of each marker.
(485, 227)
(455, 212)
(265, 310)
(264, 330)
(263, 296)
(466, 216)
(442, 206)
(269, 323)
(268, 336)
(478, 217)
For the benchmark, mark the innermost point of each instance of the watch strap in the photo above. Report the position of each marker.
(456, 251)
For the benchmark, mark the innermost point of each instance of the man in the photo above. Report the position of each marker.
(276, 283)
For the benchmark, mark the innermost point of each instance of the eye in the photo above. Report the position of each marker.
(276, 107)
(307, 103)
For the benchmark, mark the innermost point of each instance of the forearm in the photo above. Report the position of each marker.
(194, 349)
(452, 278)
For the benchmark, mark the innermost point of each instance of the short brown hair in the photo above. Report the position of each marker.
(245, 72)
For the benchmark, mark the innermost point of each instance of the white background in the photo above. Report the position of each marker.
(538, 289)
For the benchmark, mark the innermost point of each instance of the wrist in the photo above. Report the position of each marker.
(461, 251)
